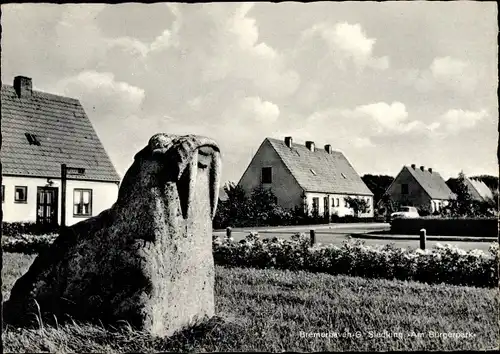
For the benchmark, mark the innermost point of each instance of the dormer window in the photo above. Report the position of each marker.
(32, 139)
(313, 172)
(343, 175)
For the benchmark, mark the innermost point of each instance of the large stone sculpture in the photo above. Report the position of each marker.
(146, 260)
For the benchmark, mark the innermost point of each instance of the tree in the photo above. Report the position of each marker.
(463, 204)
(378, 185)
(358, 205)
(233, 211)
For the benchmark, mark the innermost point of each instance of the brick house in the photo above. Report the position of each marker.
(305, 176)
(420, 187)
(41, 131)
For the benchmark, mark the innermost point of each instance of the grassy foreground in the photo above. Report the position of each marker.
(270, 310)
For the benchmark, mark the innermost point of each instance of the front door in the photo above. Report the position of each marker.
(46, 206)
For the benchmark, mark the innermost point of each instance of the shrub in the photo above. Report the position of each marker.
(26, 228)
(442, 264)
(28, 244)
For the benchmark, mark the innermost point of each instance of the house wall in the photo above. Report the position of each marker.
(284, 186)
(416, 194)
(104, 194)
(340, 210)
(438, 204)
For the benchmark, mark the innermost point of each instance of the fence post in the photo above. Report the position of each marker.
(228, 232)
(423, 236)
(313, 237)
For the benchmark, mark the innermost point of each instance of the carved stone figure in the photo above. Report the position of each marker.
(146, 260)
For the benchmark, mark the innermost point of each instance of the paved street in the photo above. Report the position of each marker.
(338, 233)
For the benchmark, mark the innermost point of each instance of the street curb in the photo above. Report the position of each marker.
(429, 238)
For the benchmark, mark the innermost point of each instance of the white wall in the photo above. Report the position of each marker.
(104, 194)
(341, 210)
(438, 204)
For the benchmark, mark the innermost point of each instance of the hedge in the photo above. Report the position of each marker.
(443, 264)
(484, 227)
(27, 228)
(28, 244)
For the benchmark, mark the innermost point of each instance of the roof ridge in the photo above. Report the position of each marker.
(333, 172)
(298, 144)
(40, 93)
(427, 183)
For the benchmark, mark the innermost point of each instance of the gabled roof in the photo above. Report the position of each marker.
(63, 130)
(432, 183)
(319, 171)
(479, 190)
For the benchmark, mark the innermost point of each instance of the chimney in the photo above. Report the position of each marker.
(22, 85)
(413, 166)
(310, 145)
(288, 141)
(422, 168)
(430, 169)
(328, 148)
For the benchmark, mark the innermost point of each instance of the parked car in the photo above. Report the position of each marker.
(406, 212)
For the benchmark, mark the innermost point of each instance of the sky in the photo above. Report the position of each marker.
(387, 83)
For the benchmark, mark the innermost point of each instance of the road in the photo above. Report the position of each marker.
(339, 233)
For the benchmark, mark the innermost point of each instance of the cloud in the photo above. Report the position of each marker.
(348, 42)
(455, 120)
(362, 142)
(387, 116)
(247, 111)
(239, 72)
(446, 74)
(231, 48)
(455, 74)
(263, 111)
(101, 93)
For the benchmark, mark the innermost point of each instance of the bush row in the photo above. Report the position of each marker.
(26, 228)
(28, 244)
(442, 264)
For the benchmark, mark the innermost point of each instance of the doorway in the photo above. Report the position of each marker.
(46, 206)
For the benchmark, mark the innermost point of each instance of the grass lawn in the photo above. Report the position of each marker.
(270, 310)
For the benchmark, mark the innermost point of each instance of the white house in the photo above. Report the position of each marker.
(303, 175)
(40, 132)
(420, 187)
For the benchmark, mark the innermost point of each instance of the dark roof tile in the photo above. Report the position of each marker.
(332, 172)
(432, 183)
(65, 133)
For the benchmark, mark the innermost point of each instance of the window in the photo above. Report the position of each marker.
(343, 175)
(315, 206)
(346, 204)
(404, 188)
(313, 172)
(20, 194)
(3, 193)
(32, 139)
(325, 205)
(82, 202)
(267, 175)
